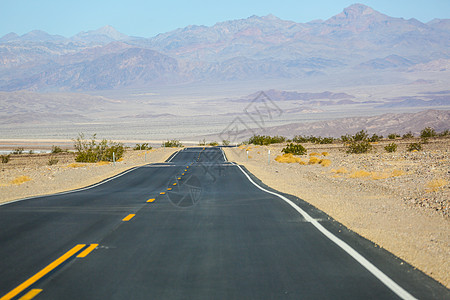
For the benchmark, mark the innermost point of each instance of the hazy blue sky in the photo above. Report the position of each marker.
(148, 18)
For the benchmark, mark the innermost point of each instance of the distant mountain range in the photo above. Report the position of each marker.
(267, 47)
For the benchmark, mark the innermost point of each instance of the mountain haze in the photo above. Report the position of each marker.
(359, 38)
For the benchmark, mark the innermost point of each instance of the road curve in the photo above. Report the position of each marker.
(194, 227)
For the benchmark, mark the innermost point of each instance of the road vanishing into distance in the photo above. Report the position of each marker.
(194, 227)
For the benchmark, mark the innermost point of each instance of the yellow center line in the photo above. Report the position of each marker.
(87, 251)
(169, 189)
(151, 200)
(182, 174)
(31, 294)
(185, 170)
(128, 218)
(179, 178)
(42, 272)
(174, 183)
(162, 193)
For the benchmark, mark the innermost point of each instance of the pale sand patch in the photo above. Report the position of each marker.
(369, 207)
(65, 175)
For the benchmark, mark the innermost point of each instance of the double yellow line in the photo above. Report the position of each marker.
(47, 270)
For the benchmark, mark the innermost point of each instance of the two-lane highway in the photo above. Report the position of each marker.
(195, 227)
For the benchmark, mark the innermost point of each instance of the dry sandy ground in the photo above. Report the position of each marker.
(400, 200)
(28, 175)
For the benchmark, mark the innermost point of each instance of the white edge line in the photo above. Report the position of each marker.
(392, 285)
(73, 191)
(223, 153)
(176, 153)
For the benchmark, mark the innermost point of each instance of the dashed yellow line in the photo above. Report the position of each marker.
(151, 200)
(31, 294)
(169, 189)
(128, 218)
(179, 178)
(42, 272)
(162, 193)
(87, 251)
(174, 183)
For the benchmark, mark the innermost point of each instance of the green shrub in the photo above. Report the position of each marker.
(295, 149)
(172, 143)
(214, 144)
(415, 146)
(427, 132)
(5, 158)
(375, 138)
(143, 146)
(392, 147)
(393, 136)
(266, 140)
(56, 149)
(358, 147)
(360, 136)
(202, 143)
(408, 135)
(225, 142)
(92, 151)
(18, 150)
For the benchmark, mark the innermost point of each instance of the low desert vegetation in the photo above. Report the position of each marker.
(143, 146)
(288, 158)
(225, 142)
(266, 140)
(295, 149)
(435, 185)
(214, 144)
(393, 136)
(20, 180)
(56, 149)
(91, 151)
(172, 144)
(5, 158)
(52, 161)
(391, 147)
(414, 147)
(18, 151)
(313, 139)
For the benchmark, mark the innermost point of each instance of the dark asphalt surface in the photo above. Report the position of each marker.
(214, 235)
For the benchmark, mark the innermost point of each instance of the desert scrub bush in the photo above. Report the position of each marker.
(375, 138)
(393, 136)
(341, 170)
(266, 140)
(143, 146)
(314, 154)
(414, 147)
(360, 136)
(225, 142)
(56, 149)
(325, 162)
(5, 158)
(427, 132)
(313, 139)
(359, 147)
(18, 150)
(93, 151)
(391, 147)
(52, 161)
(325, 153)
(214, 144)
(288, 158)
(313, 160)
(172, 144)
(20, 180)
(295, 149)
(408, 135)
(444, 133)
(202, 142)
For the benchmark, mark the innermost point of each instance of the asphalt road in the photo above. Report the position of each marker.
(195, 227)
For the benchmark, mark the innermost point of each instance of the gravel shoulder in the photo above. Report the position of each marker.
(400, 200)
(28, 175)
